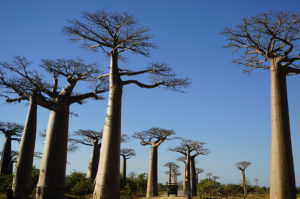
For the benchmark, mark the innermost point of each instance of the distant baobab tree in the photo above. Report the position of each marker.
(153, 137)
(242, 166)
(90, 138)
(115, 34)
(270, 41)
(11, 131)
(126, 154)
(190, 149)
(22, 81)
(198, 171)
(175, 173)
(172, 167)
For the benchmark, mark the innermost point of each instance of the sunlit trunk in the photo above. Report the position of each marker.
(152, 173)
(187, 183)
(282, 176)
(108, 175)
(193, 180)
(22, 178)
(53, 168)
(123, 173)
(169, 180)
(174, 177)
(244, 183)
(184, 176)
(5, 165)
(94, 161)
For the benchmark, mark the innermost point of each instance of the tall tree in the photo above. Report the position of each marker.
(153, 137)
(183, 160)
(90, 138)
(269, 41)
(242, 166)
(172, 166)
(22, 178)
(175, 173)
(11, 131)
(186, 148)
(198, 149)
(114, 34)
(58, 101)
(126, 154)
(198, 171)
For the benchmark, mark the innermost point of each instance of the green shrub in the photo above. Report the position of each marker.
(5, 183)
(83, 187)
(34, 178)
(72, 179)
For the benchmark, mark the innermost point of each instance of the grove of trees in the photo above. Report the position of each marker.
(268, 41)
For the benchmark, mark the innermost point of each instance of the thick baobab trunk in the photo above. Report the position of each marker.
(108, 175)
(5, 166)
(184, 176)
(282, 176)
(187, 180)
(123, 173)
(170, 174)
(174, 177)
(244, 183)
(22, 178)
(152, 173)
(193, 180)
(53, 168)
(94, 161)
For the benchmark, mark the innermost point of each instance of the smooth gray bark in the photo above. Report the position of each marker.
(193, 181)
(282, 176)
(108, 175)
(152, 173)
(174, 178)
(53, 168)
(123, 173)
(22, 178)
(244, 183)
(5, 164)
(170, 174)
(94, 161)
(187, 190)
(184, 176)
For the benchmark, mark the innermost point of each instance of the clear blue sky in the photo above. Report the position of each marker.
(223, 107)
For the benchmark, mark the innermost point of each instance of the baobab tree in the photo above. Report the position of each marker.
(11, 131)
(269, 41)
(172, 166)
(183, 160)
(126, 154)
(198, 171)
(153, 137)
(198, 149)
(89, 138)
(14, 156)
(186, 148)
(58, 101)
(175, 173)
(242, 166)
(22, 177)
(115, 34)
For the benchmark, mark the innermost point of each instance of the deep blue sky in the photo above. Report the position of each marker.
(225, 108)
